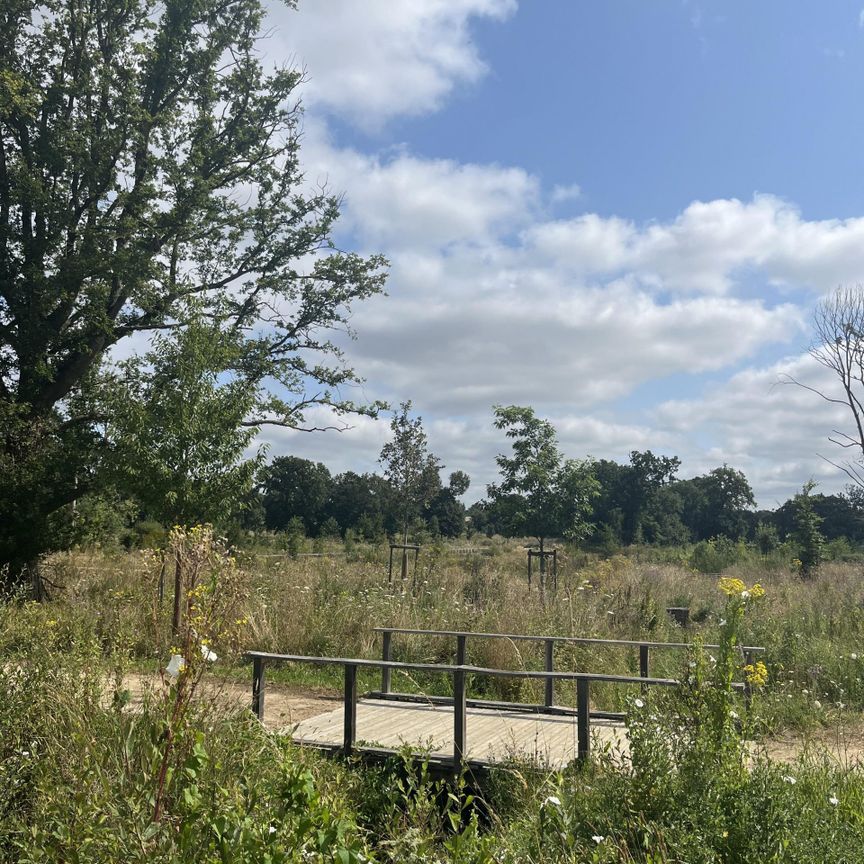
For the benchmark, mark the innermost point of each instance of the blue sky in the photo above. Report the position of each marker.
(619, 212)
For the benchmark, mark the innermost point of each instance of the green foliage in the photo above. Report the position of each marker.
(411, 471)
(540, 494)
(715, 555)
(295, 487)
(160, 178)
(178, 427)
(807, 534)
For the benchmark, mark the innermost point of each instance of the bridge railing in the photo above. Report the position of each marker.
(460, 680)
(549, 643)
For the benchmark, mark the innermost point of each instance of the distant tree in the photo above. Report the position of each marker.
(361, 498)
(807, 534)
(412, 472)
(767, 538)
(716, 503)
(292, 486)
(540, 494)
(445, 508)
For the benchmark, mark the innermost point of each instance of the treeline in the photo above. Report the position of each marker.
(644, 502)
(641, 502)
(297, 493)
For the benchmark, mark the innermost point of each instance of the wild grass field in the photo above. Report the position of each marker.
(176, 774)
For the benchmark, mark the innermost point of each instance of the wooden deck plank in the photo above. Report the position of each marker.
(492, 736)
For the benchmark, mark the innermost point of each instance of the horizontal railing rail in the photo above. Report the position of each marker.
(459, 673)
(549, 642)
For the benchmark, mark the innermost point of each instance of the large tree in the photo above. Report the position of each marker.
(146, 159)
(541, 494)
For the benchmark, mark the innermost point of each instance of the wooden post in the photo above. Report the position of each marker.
(583, 720)
(549, 665)
(386, 654)
(461, 649)
(530, 556)
(350, 709)
(643, 665)
(258, 687)
(459, 719)
(390, 569)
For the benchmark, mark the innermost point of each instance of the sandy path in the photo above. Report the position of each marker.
(283, 705)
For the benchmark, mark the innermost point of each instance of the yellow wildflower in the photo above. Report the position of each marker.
(730, 586)
(756, 674)
(757, 591)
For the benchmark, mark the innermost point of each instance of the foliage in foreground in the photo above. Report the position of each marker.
(81, 775)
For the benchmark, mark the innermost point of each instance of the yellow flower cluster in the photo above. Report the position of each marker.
(730, 586)
(756, 674)
(733, 587)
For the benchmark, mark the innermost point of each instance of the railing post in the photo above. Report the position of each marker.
(459, 719)
(643, 664)
(583, 720)
(461, 649)
(258, 687)
(386, 654)
(549, 665)
(350, 709)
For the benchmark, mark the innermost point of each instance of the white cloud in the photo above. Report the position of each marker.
(570, 192)
(773, 430)
(374, 60)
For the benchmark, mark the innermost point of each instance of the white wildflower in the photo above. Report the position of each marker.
(790, 780)
(598, 838)
(175, 666)
(733, 715)
(638, 703)
(817, 703)
(745, 594)
(854, 656)
(271, 829)
(833, 800)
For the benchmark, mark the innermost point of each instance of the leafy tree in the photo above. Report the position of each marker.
(541, 494)
(412, 472)
(178, 431)
(176, 427)
(147, 158)
(716, 504)
(292, 486)
(447, 512)
(807, 534)
(361, 497)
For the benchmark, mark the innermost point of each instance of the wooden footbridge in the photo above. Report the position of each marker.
(457, 731)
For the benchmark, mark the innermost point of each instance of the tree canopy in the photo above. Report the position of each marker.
(147, 159)
(540, 494)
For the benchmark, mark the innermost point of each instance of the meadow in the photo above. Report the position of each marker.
(177, 776)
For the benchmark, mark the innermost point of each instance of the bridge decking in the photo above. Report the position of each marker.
(493, 735)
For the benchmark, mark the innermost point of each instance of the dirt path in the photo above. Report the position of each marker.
(283, 706)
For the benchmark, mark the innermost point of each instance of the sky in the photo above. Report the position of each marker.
(620, 213)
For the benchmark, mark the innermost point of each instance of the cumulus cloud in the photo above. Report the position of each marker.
(760, 422)
(369, 62)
